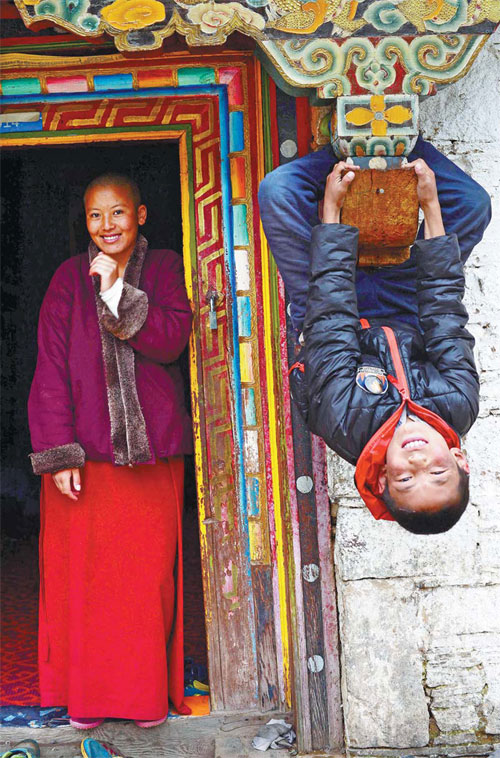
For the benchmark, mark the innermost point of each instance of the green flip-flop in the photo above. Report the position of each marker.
(24, 749)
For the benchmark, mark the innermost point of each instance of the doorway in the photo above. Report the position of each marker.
(42, 224)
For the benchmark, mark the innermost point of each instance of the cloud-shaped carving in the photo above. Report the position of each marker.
(133, 14)
(210, 17)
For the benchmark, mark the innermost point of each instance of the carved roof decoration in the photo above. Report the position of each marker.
(339, 47)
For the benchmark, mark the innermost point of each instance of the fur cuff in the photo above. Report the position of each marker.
(58, 458)
(132, 313)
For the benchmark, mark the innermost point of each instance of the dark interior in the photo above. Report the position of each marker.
(42, 224)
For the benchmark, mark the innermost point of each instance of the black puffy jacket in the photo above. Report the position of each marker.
(438, 363)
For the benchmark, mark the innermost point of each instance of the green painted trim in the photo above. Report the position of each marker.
(32, 47)
(106, 130)
(266, 123)
(268, 166)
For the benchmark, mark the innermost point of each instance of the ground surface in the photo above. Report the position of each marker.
(214, 736)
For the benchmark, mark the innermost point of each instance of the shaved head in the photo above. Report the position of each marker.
(112, 179)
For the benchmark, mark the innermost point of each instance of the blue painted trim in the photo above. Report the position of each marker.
(236, 131)
(244, 316)
(227, 222)
(249, 403)
(253, 496)
(8, 127)
(105, 82)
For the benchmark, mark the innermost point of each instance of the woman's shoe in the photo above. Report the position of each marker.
(85, 723)
(149, 724)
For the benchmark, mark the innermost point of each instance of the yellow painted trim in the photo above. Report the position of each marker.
(274, 427)
(27, 60)
(187, 239)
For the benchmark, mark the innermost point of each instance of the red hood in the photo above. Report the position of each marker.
(372, 457)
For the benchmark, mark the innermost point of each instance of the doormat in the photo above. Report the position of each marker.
(37, 718)
(19, 601)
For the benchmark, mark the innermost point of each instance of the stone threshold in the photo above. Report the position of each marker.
(219, 735)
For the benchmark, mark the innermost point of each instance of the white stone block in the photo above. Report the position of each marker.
(366, 547)
(384, 700)
(450, 611)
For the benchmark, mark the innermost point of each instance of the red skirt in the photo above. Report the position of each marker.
(111, 622)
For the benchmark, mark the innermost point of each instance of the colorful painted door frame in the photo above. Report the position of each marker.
(262, 551)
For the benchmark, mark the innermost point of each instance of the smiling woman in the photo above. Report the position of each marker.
(107, 397)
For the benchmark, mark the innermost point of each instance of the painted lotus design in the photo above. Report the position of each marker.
(210, 17)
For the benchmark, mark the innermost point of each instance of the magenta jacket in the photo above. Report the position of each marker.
(106, 388)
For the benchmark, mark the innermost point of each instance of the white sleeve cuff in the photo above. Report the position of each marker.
(112, 296)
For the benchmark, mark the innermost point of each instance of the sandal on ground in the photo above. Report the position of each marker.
(93, 749)
(149, 724)
(25, 748)
(84, 723)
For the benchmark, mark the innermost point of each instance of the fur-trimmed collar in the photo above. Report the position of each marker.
(129, 438)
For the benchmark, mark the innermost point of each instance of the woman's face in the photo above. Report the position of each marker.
(113, 219)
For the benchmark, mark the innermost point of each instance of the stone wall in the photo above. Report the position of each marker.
(420, 616)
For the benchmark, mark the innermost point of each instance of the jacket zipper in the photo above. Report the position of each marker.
(399, 381)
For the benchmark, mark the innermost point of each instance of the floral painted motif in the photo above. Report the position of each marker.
(378, 116)
(210, 17)
(133, 14)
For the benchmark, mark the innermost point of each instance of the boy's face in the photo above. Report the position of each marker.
(421, 470)
(113, 219)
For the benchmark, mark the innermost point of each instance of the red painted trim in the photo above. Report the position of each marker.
(8, 10)
(400, 381)
(275, 142)
(303, 117)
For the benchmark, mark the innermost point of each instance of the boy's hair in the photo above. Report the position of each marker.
(122, 180)
(424, 522)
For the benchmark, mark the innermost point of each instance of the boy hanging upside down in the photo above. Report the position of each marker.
(388, 378)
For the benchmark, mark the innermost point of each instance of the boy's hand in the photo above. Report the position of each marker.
(68, 482)
(336, 190)
(428, 198)
(426, 183)
(107, 268)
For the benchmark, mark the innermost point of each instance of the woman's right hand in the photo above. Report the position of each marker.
(68, 482)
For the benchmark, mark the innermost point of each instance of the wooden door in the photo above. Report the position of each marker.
(254, 535)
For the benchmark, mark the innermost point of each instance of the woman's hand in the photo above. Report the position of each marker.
(428, 198)
(107, 268)
(336, 190)
(68, 482)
